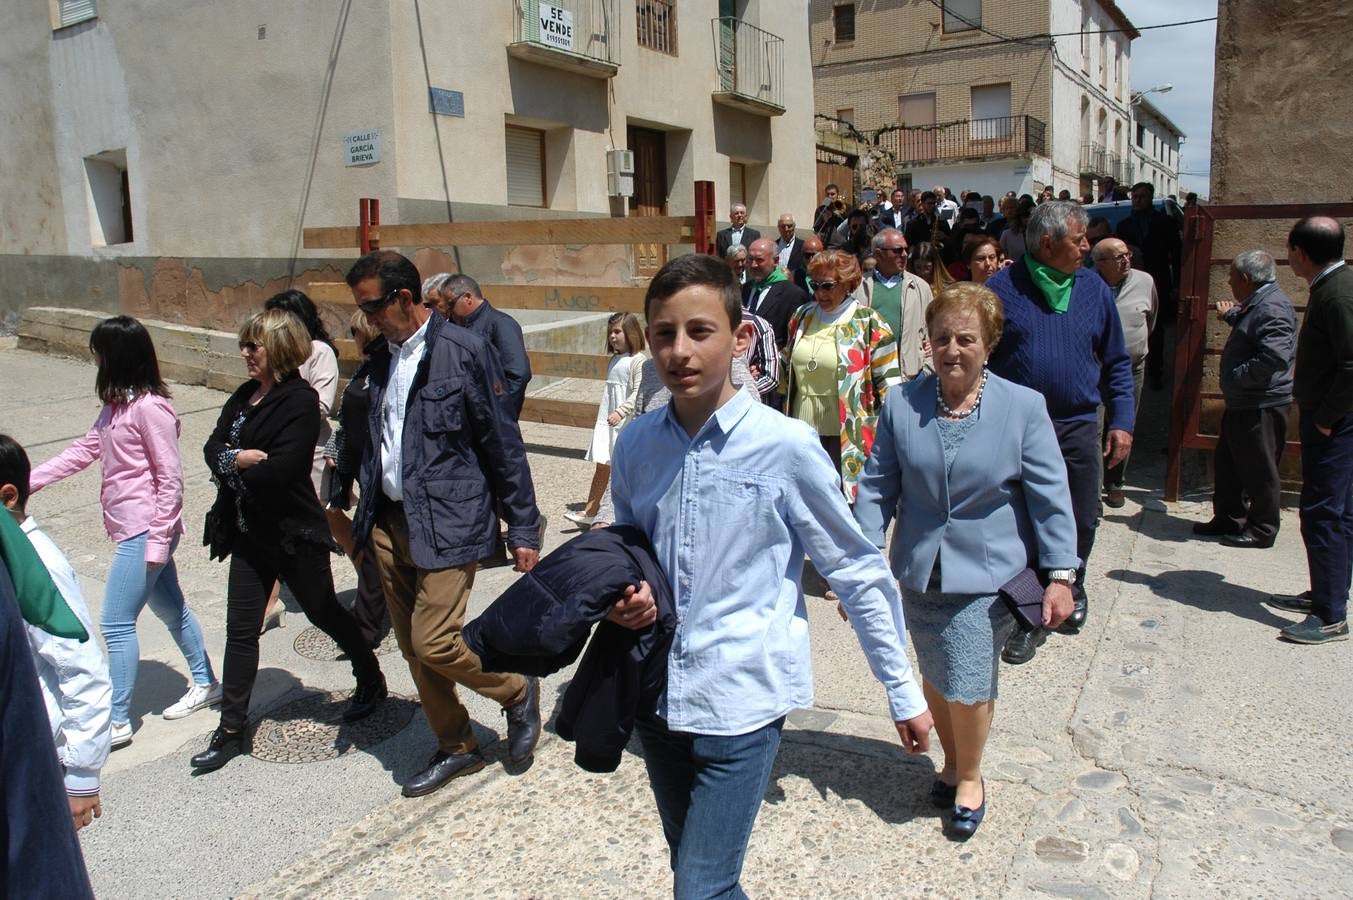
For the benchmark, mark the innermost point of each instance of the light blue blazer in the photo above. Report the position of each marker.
(1005, 504)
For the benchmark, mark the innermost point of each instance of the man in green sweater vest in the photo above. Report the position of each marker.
(900, 299)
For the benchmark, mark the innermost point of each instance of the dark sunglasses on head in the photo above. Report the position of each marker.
(371, 307)
(823, 285)
(249, 346)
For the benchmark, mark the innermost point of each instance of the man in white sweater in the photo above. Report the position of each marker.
(73, 675)
(1134, 293)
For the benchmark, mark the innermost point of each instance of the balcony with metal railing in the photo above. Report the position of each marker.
(581, 36)
(966, 139)
(751, 67)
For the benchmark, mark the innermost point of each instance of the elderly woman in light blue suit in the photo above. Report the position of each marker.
(968, 465)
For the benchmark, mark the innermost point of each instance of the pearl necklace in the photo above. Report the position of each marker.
(977, 401)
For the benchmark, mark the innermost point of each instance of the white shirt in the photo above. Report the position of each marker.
(786, 247)
(735, 236)
(1328, 269)
(73, 677)
(404, 360)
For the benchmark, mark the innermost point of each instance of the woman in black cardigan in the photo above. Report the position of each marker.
(269, 521)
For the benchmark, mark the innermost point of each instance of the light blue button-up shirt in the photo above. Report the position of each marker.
(731, 514)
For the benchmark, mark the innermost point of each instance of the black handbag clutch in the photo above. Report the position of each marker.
(1023, 594)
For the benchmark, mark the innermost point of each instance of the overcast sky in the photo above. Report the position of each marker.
(1182, 57)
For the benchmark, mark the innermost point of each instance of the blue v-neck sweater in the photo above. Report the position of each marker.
(1077, 359)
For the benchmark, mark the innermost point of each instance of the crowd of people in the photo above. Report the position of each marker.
(786, 399)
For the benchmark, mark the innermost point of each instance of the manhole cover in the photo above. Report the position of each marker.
(315, 644)
(312, 728)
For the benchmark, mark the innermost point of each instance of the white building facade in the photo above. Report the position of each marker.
(203, 137)
(1156, 146)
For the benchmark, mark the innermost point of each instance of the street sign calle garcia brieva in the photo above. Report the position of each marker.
(556, 27)
(362, 148)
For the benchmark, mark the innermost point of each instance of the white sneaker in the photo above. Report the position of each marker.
(580, 519)
(198, 697)
(122, 734)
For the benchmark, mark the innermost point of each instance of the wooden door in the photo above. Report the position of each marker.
(650, 193)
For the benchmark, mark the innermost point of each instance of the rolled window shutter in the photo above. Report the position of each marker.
(525, 160)
(73, 11)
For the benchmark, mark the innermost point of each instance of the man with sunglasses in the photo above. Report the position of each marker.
(444, 444)
(900, 299)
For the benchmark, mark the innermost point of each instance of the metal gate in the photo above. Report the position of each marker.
(1193, 348)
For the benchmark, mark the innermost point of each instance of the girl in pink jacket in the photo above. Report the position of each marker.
(135, 438)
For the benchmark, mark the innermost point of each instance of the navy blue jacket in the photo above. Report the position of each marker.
(42, 854)
(539, 625)
(462, 449)
(504, 336)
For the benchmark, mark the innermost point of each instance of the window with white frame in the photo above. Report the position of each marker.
(72, 12)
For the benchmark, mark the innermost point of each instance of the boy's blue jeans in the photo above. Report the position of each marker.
(131, 585)
(709, 790)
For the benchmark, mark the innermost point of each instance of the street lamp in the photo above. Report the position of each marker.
(1158, 89)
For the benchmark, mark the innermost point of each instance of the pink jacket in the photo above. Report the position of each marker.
(142, 490)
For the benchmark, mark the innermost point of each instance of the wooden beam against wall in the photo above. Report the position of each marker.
(636, 230)
(560, 298)
(559, 412)
(544, 363)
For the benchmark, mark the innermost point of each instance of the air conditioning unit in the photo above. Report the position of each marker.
(618, 185)
(620, 162)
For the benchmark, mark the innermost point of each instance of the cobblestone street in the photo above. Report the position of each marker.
(1175, 748)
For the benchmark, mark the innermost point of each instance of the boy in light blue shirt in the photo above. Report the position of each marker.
(732, 494)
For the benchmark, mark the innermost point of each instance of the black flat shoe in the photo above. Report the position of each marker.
(523, 724)
(441, 769)
(223, 747)
(964, 823)
(1247, 541)
(366, 699)
(941, 794)
(1213, 528)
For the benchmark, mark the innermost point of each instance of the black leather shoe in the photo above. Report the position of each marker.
(1022, 645)
(1076, 621)
(523, 724)
(441, 769)
(1213, 528)
(1247, 540)
(224, 746)
(366, 699)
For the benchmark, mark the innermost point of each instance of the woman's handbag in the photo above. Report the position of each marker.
(1024, 595)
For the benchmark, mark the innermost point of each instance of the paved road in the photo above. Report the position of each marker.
(1174, 749)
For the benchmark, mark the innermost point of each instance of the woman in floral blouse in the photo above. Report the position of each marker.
(840, 360)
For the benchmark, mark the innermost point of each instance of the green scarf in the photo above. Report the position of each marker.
(39, 601)
(1055, 285)
(775, 277)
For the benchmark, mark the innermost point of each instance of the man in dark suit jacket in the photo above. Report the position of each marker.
(789, 248)
(769, 293)
(737, 233)
(1323, 388)
(1156, 235)
(897, 215)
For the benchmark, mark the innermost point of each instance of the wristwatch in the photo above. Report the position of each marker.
(1066, 576)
